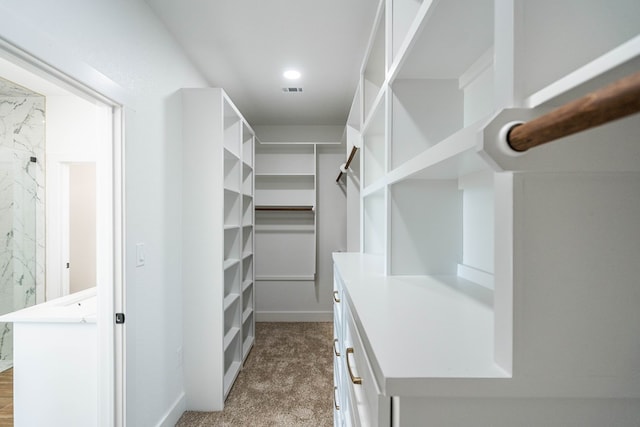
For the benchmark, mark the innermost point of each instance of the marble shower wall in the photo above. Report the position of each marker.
(22, 221)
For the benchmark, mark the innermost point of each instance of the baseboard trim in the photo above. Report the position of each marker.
(174, 413)
(294, 316)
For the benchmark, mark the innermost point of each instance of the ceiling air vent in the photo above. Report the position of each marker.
(292, 89)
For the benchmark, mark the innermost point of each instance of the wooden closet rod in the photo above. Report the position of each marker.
(284, 208)
(346, 165)
(615, 101)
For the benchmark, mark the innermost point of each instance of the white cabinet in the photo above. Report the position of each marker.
(493, 285)
(218, 246)
(55, 378)
(286, 211)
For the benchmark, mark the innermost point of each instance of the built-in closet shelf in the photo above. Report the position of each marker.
(376, 186)
(285, 175)
(284, 204)
(228, 263)
(228, 154)
(406, 19)
(229, 300)
(246, 284)
(230, 376)
(229, 337)
(286, 278)
(376, 105)
(405, 362)
(374, 68)
(293, 208)
(452, 157)
(218, 189)
(444, 43)
(246, 346)
(246, 314)
(619, 62)
(457, 227)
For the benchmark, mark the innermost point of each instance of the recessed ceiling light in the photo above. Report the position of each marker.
(292, 74)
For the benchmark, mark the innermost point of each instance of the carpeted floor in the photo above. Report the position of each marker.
(287, 380)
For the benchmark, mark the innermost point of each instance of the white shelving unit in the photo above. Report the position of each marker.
(285, 211)
(353, 139)
(478, 263)
(218, 255)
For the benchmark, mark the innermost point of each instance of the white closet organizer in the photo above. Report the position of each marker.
(218, 246)
(285, 211)
(491, 286)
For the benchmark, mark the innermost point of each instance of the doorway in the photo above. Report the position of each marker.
(88, 112)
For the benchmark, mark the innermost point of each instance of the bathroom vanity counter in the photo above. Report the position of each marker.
(79, 307)
(55, 361)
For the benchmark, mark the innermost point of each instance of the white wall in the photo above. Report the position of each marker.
(302, 133)
(332, 218)
(82, 226)
(125, 42)
(74, 130)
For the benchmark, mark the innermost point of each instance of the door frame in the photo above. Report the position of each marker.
(29, 48)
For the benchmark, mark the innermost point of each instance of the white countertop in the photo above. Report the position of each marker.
(419, 328)
(80, 307)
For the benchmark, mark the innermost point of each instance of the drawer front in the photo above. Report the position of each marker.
(368, 404)
(338, 299)
(338, 403)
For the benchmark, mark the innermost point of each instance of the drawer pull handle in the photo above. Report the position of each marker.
(354, 379)
(335, 296)
(335, 399)
(335, 349)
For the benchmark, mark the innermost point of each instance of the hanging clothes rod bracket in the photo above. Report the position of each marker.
(345, 167)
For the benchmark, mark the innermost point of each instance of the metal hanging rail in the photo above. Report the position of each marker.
(618, 100)
(345, 167)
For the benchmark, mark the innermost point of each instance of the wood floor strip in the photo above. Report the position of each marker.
(6, 398)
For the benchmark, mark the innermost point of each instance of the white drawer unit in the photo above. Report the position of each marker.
(340, 405)
(359, 399)
(368, 406)
(419, 351)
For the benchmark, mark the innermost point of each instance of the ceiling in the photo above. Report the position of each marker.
(244, 46)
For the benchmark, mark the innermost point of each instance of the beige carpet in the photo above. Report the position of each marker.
(287, 380)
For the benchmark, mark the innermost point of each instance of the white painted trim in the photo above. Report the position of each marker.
(174, 413)
(27, 43)
(64, 228)
(294, 316)
(120, 349)
(475, 275)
